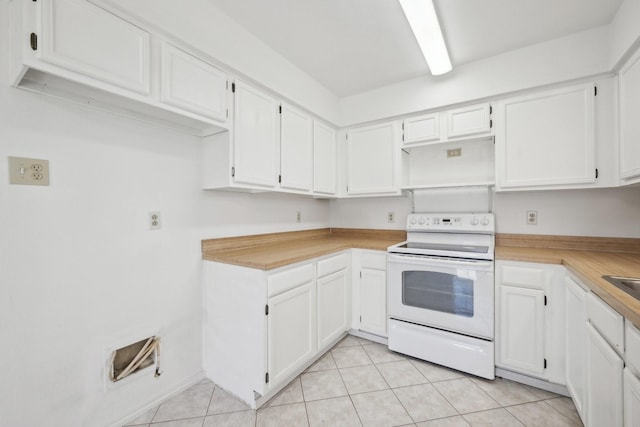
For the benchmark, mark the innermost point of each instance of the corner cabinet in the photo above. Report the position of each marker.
(262, 328)
(576, 342)
(325, 159)
(373, 154)
(296, 149)
(629, 123)
(546, 139)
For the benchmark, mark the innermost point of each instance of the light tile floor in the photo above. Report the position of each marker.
(362, 383)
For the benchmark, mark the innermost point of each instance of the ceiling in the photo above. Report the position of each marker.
(351, 46)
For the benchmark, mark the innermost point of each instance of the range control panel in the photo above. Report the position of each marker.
(458, 222)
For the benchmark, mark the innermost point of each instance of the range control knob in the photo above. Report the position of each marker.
(485, 221)
(474, 221)
(413, 220)
(421, 221)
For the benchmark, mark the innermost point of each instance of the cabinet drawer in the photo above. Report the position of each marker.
(333, 264)
(632, 347)
(374, 261)
(607, 321)
(527, 277)
(280, 282)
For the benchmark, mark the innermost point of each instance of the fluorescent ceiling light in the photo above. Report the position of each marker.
(424, 22)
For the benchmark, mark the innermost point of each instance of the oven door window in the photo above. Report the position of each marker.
(442, 292)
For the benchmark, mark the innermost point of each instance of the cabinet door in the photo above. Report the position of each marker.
(333, 307)
(575, 342)
(372, 154)
(256, 137)
(292, 326)
(546, 139)
(631, 399)
(521, 343)
(474, 119)
(629, 123)
(604, 382)
(324, 159)
(423, 128)
(373, 301)
(86, 39)
(192, 84)
(296, 150)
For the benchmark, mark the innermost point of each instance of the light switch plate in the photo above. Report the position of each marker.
(25, 171)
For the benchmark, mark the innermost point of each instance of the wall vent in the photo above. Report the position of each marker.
(134, 358)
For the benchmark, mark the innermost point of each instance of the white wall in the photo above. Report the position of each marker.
(79, 269)
(607, 212)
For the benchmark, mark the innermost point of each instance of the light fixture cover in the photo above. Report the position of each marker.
(423, 20)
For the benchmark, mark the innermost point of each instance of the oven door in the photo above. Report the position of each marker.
(449, 294)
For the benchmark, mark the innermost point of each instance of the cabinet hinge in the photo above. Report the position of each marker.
(545, 363)
(266, 378)
(266, 312)
(233, 87)
(227, 113)
(280, 109)
(360, 319)
(402, 125)
(33, 40)
(403, 137)
(490, 109)
(227, 87)
(595, 91)
(233, 171)
(596, 173)
(545, 300)
(490, 123)
(361, 274)
(279, 179)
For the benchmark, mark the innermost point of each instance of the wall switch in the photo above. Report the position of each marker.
(454, 152)
(154, 221)
(24, 171)
(532, 217)
(298, 216)
(391, 217)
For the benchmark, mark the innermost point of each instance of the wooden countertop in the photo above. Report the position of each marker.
(269, 251)
(588, 258)
(620, 258)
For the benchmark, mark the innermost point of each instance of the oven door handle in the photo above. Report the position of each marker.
(424, 260)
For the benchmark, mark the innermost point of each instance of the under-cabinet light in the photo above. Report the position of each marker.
(423, 20)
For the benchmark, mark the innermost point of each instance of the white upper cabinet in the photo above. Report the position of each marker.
(296, 149)
(325, 159)
(256, 137)
(467, 121)
(372, 165)
(629, 123)
(192, 84)
(86, 39)
(420, 129)
(546, 139)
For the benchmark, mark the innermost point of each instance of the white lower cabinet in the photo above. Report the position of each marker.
(604, 382)
(334, 302)
(265, 327)
(576, 342)
(372, 292)
(522, 330)
(530, 320)
(631, 399)
(292, 331)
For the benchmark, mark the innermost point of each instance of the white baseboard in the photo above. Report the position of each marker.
(194, 379)
(368, 336)
(534, 382)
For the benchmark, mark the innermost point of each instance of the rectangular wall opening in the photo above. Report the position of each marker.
(134, 358)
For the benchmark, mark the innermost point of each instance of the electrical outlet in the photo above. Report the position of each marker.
(298, 216)
(154, 221)
(391, 217)
(454, 152)
(532, 217)
(24, 171)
